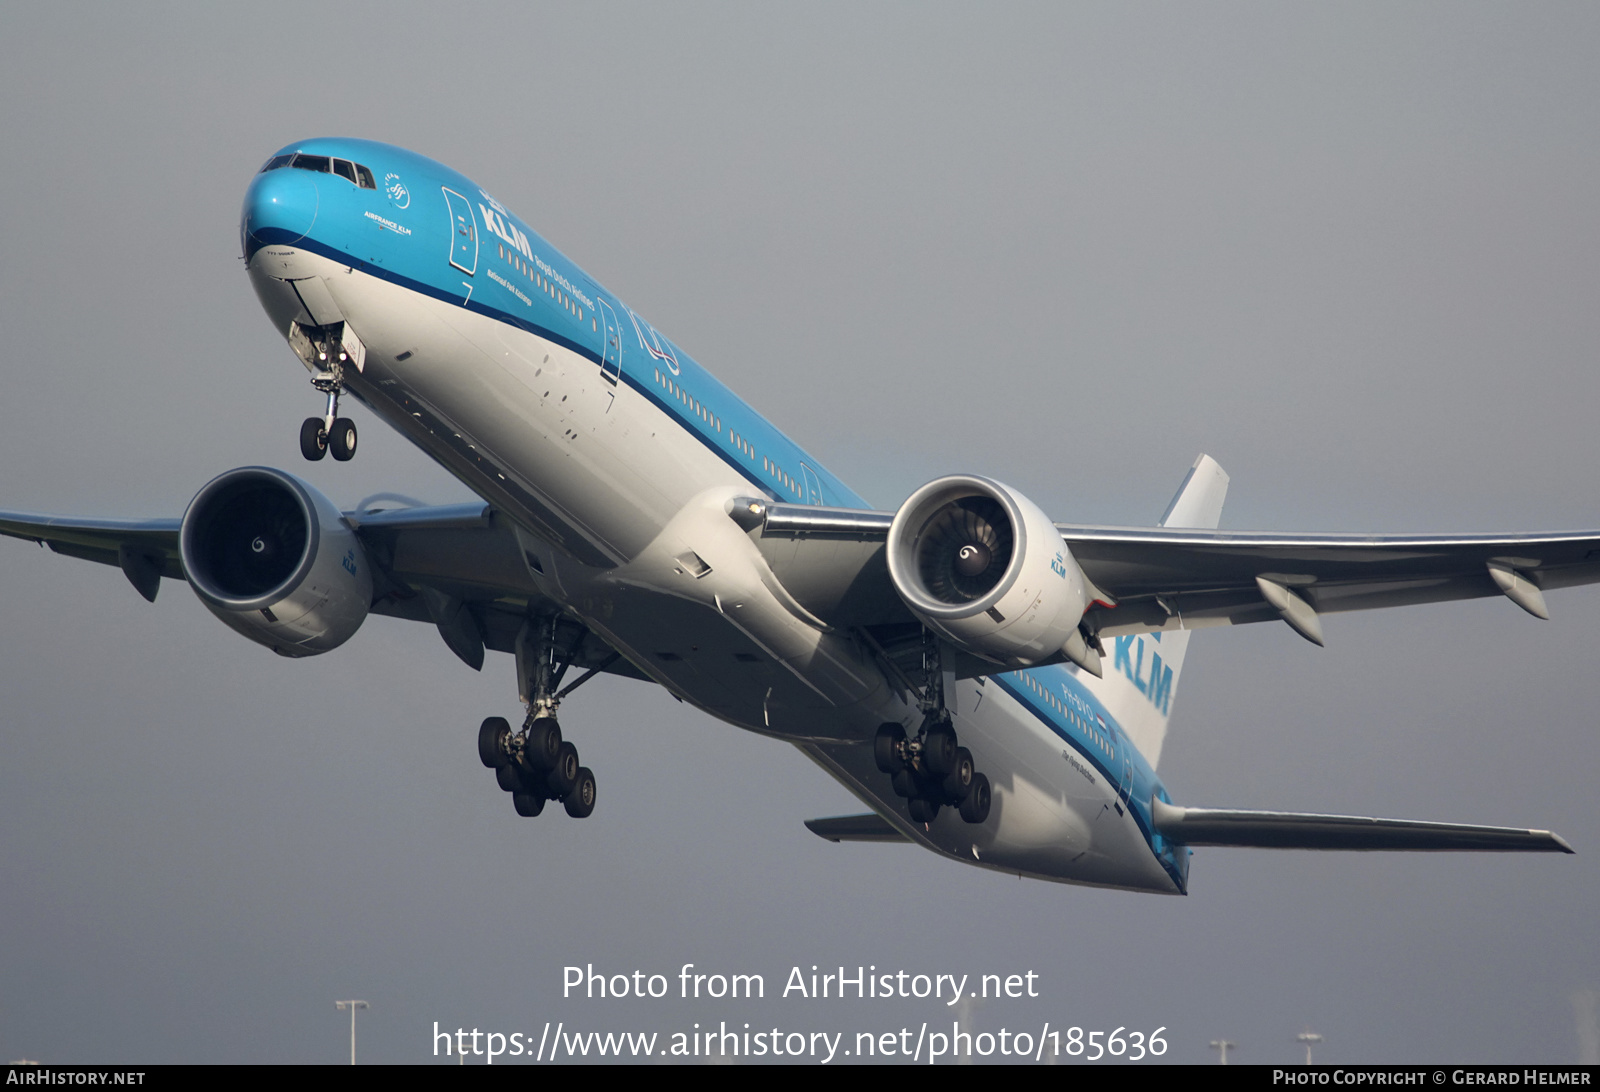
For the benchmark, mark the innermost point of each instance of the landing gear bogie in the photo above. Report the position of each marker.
(932, 770)
(536, 764)
(961, 786)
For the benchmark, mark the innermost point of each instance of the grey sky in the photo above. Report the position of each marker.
(1348, 250)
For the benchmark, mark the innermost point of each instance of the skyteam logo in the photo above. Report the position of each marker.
(399, 196)
(1157, 684)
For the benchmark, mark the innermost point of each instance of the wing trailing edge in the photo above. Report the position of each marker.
(1299, 830)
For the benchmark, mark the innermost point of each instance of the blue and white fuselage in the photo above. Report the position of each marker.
(616, 456)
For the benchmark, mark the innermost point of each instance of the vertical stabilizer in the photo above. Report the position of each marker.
(1141, 672)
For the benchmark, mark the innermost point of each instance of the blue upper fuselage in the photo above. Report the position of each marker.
(418, 224)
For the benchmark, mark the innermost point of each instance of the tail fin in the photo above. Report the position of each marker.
(1142, 676)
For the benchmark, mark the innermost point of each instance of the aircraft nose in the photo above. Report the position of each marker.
(279, 207)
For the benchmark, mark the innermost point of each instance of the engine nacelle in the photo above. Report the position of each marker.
(981, 565)
(274, 559)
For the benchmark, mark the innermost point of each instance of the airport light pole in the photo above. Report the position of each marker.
(352, 1006)
(1308, 1037)
(1223, 1045)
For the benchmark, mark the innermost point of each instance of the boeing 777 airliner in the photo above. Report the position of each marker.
(993, 685)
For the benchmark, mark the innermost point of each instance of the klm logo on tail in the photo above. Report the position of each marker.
(1129, 659)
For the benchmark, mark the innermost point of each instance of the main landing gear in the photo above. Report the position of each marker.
(536, 764)
(932, 770)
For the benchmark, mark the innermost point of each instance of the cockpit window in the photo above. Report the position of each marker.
(353, 172)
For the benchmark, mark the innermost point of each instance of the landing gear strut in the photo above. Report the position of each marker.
(536, 764)
(932, 770)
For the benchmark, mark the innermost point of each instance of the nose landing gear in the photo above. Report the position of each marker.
(329, 349)
(330, 432)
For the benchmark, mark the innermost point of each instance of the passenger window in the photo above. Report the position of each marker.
(344, 169)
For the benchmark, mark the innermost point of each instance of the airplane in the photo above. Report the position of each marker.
(994, 686)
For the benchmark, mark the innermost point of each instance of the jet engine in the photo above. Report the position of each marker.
(274, 559)
(982, 566)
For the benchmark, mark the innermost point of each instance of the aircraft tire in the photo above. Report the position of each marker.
(904, 782)
(493, 735)
(923, 810)
(563, 774)
(342, 439)
(580, 801)
(541, 748)
(975, 808)
(508, 778)
(527, 804)
(958, 782)
(939, 749)
(313, 441)
(886, 747)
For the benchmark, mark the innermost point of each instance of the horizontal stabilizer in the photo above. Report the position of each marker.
(1296, 830)
(855, 828)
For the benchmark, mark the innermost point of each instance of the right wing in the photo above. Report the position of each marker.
(458, 567)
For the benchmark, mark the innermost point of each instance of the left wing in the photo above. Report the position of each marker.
(1298, 830)
(1271, 830)
(145, 550)
(1162, 578)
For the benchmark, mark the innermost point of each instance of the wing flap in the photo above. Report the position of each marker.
(1298, 830)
